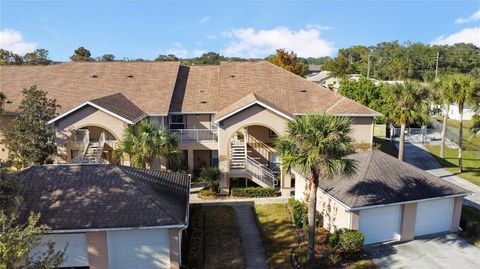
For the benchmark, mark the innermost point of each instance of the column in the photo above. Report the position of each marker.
(97, 250)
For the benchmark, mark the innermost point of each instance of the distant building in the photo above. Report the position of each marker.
(313, 69)
(326, 79)
(454, 113)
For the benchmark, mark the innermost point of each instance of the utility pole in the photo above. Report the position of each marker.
(436, 67)
(368, 68)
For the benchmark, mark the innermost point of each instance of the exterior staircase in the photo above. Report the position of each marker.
(90, 152)
(241, 163)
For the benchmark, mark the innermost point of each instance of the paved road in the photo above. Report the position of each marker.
(448, 251)
(253, 250)
(417, 155)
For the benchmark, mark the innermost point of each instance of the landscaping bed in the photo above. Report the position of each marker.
(470, 224)
(279, 236)
(213, 238)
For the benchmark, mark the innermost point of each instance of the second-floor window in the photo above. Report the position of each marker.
(177, 122)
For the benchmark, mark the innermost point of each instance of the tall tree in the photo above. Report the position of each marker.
(410, 105)
(81, 54)
(166, 58)
(446, 86)
(10, 58)
(289, 62)
(466, 90)
(18, 239)
(38, 57)
(146, 142)
(106, 58)
(28, 138)
(316, 145)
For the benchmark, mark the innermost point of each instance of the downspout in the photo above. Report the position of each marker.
(187, 217)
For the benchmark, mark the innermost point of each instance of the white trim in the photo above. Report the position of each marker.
(251, 104)
(97, 107)
(350, 209)
(181, 226)
(413, 201)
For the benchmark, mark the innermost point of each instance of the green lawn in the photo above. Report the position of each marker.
(220, 245)
(278, 233)
(279, 239)
(471, 143)
(471, 162)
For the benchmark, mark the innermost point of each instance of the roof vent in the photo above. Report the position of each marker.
(9, 102)
(203, 102)
(232, 76)
(202, 91)
(94, 76)
(303, 90)
(130, 76)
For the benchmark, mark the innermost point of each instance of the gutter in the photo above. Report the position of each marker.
(113, 229)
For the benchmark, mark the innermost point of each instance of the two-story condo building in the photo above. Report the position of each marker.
(227, 115)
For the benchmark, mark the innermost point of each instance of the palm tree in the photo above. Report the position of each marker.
(146, 142)
(466, 90)
(446, 89)
(316, 145)
(410, 106)
(212, 176)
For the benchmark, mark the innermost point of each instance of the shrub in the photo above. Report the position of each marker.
(351, 242)
(196, 242)
(333, 239)
(254, 192)
(206, 192)
(299, 212)
(212, 176)
(470, 223)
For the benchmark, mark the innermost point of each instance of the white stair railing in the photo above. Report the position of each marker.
(101, 144)
(260, 172)
(83, 148)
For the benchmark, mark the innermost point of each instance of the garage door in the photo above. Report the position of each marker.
(380, 224)
(76, 253)
(433, 216)
(138, 249)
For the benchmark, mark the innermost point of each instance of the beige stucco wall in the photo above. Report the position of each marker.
(97, 247)
(4, 122)
(198, 121)
(407, 226)
(174, 240)
(334, 215)
(87, 116)
(362, 130)
(255, 115)
(456, 214)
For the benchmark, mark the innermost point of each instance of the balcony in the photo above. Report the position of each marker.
(196, 135)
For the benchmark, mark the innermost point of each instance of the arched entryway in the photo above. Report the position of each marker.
(92, 144)
(252, 155)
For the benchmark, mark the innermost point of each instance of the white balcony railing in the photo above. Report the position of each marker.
(195, 135)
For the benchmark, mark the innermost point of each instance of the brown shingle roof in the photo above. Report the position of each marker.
(104, 196)
(158, 87)
(121, 106)
(383, 179)
(149, 85)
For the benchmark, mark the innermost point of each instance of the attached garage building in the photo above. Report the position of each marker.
(111, 216)
(387, 200)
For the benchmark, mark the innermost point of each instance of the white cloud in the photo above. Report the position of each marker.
(248, 42)
(13, 41)
(211, 37)
(198, 52)
(204, 19)
(178, 50)
(467, 35)
(472, 18)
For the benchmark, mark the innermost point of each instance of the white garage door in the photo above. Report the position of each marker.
(138, 249)
(433, 216)
(380, 224)
(76, 253)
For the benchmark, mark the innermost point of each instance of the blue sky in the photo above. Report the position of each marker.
(145, 29)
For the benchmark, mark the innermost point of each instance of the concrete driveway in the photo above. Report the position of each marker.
(447, 251)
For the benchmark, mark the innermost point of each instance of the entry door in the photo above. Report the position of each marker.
(433, 217)
(380, 224)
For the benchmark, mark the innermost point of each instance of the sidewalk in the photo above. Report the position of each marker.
(270, 200)
(418, 155)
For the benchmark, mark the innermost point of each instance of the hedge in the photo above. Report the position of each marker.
(346, 241)
(254, 192)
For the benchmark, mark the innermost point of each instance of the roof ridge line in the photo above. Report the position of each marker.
(336, 103)
(364, 174)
